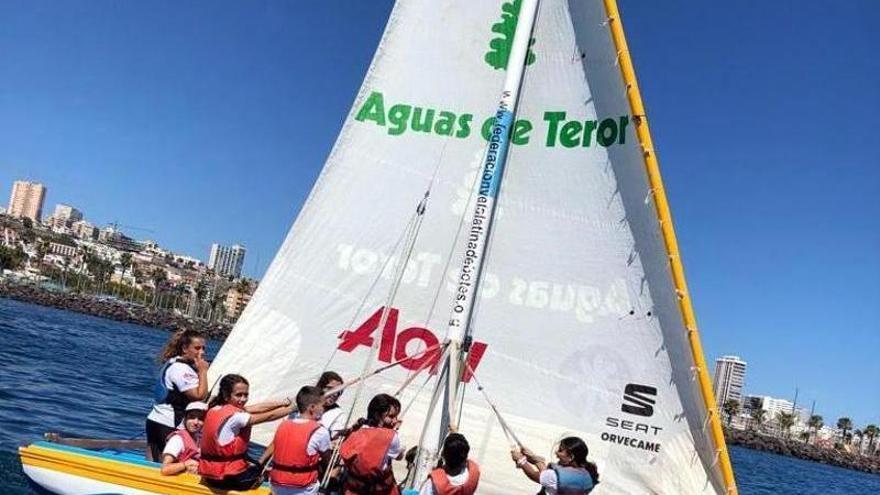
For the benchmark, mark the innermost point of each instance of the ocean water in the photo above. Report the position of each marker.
(66, 372)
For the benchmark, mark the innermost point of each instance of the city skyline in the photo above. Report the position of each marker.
(191, 133)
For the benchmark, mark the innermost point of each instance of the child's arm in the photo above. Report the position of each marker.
(267, 406)
(269, 452)
(170, 466)
(280, 411)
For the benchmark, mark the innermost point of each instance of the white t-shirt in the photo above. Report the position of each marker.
(232, 427)
(548, 480)
(457, 480)
(318, 444)
(333, 420)
(174, 447)
(184, 378)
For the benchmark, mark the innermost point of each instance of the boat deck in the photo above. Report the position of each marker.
(67, 470)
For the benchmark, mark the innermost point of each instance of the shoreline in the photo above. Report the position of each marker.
(149, 317)
(112, 310)
(799, 450)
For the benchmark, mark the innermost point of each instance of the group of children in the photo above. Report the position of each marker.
(212, 439)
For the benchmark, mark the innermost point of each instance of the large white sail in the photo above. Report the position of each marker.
(577, 330)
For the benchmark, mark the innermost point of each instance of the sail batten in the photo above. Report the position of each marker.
(578, 322)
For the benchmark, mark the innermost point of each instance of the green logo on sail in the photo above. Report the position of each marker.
(499, 54)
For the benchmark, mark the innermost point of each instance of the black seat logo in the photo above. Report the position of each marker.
(639, 399)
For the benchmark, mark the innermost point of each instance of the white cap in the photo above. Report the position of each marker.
(196, 406)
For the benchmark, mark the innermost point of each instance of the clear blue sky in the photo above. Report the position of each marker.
(209, 121)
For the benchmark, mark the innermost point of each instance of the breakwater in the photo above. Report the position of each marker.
(801, 450)
(112, 309)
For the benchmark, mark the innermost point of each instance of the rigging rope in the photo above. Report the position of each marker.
(386, 367)
(403, 235)
(411, 237)
(508, 432)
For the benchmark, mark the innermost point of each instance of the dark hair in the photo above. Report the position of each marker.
(579, 451)
(174, 346)
(307, 396)
(379, 406)
(227, 383)
(455, 453)
(326, 378)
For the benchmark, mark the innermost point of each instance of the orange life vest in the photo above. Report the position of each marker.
(190, 448)
(364, 453)
(219, 461)
(292, 464)
(442, 486)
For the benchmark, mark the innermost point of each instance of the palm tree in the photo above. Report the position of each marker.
(125, 261)
(871, 432)
(243, 286)
(844, 424)
(755, 404)
(199, 292)
(815, 423)
(758, 417)
(731, 408)
(786, 421)
(217, 306)
(158, 276)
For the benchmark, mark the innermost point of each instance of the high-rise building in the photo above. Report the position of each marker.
(67, 214)
(730, 376)
(227, 260)
(26, 200)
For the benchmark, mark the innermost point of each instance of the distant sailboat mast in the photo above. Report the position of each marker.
(479, 229)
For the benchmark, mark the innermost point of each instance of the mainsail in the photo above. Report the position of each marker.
(579, 326)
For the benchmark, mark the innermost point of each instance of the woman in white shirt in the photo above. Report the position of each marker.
(333, 418)
(182, 379)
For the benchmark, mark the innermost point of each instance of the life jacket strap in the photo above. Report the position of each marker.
(293, 469)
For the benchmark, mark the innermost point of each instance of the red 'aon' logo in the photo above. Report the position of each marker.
(393, 346)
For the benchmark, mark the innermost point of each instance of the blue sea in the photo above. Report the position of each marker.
(68, 372)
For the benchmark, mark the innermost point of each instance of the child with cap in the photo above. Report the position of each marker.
(181, 452)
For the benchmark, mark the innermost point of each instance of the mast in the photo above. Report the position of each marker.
(459, 331)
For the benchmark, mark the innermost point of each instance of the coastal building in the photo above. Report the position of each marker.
(67, 214)
(84, 230)
(26, 200)
(227, 260)
(236, 302)
(62, 220)
(9, 237)
(730, 376)
(65, 250)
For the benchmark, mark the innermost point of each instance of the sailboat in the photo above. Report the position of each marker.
(510, 267)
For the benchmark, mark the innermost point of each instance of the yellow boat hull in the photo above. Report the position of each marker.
(65, 470)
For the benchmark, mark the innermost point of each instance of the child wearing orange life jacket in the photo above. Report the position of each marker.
(300, 447)
(181, 451)
(224, 464)
(458, 475)
(367, 452)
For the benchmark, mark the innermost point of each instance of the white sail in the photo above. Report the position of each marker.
(577, 330)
